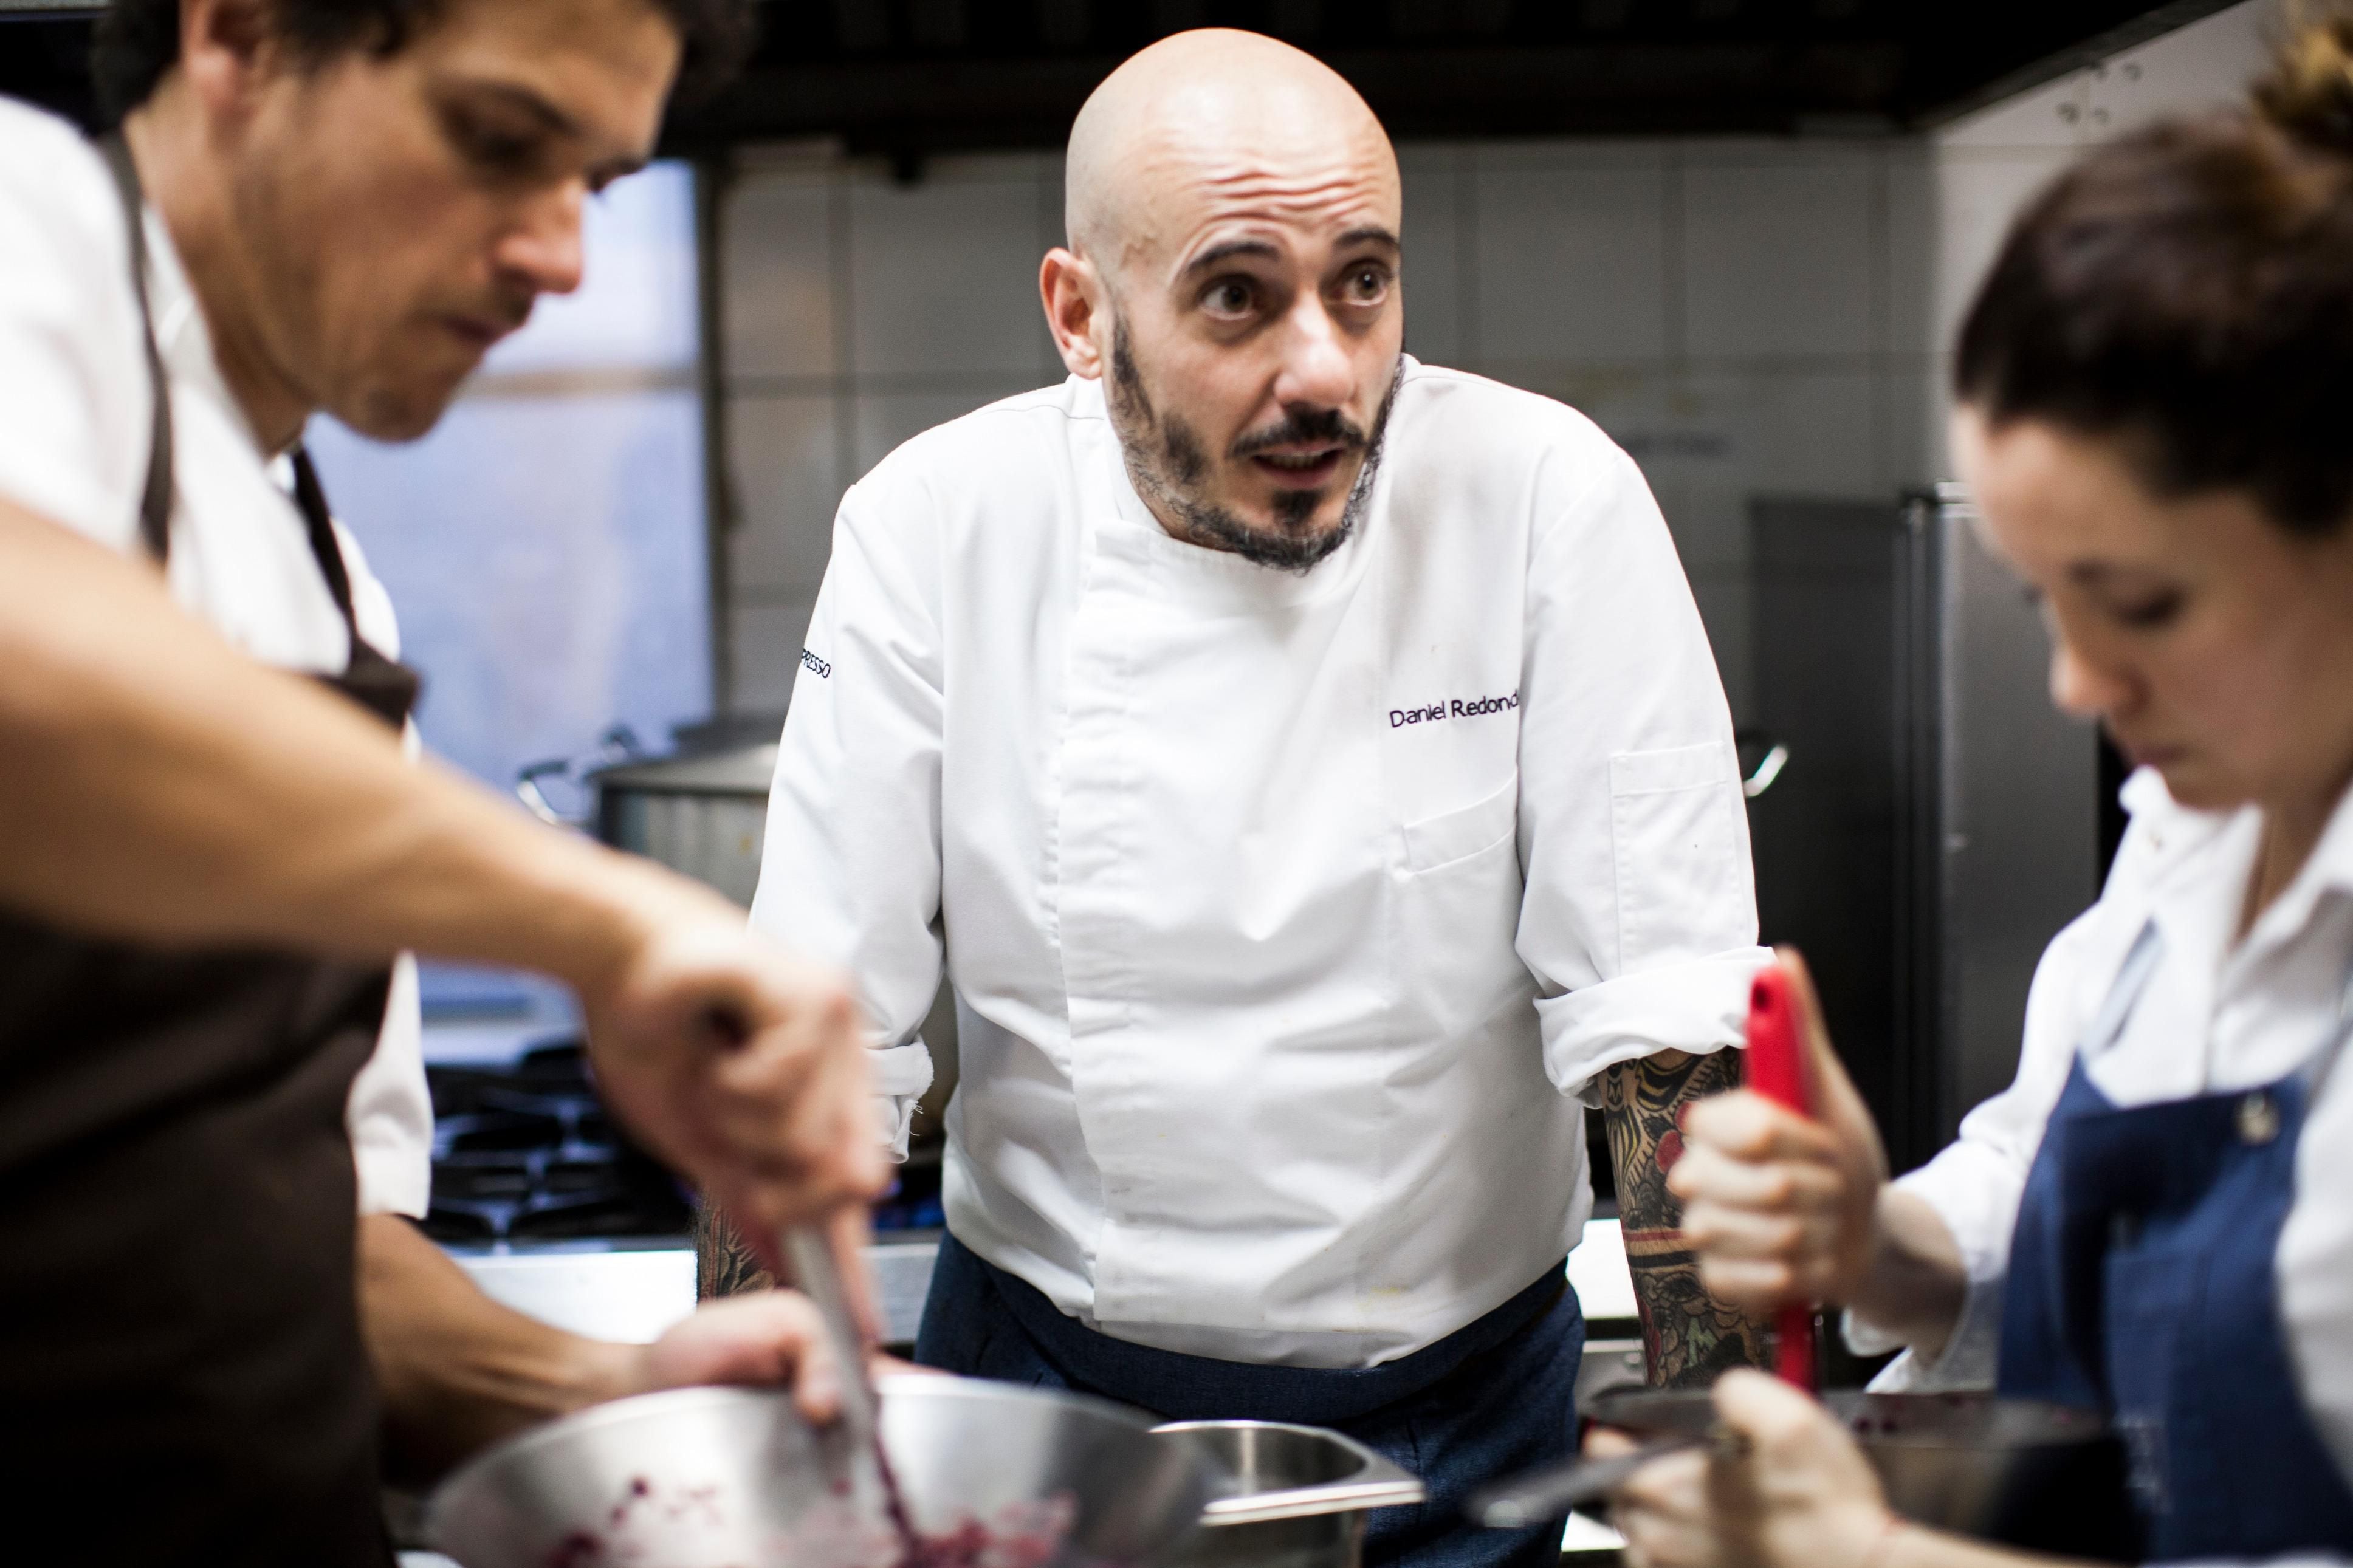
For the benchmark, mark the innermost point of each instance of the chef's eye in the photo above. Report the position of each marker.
(498, 151)
(2150, 612)
(1366, 285)
(1229, 297)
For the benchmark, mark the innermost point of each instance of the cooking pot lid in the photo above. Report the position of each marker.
(747, 770)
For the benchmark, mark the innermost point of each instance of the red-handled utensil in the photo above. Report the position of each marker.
(1776, 1070)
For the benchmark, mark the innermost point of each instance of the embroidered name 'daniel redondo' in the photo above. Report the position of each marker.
(1457, 708)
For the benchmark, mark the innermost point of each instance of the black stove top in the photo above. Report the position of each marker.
(528, 1152)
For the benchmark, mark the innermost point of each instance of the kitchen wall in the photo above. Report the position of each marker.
(1744, 317)
(1985, 166)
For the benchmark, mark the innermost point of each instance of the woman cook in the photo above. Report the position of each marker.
(2155, 1219)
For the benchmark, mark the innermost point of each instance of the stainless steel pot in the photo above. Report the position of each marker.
(1294, 1497)
(707, 1477)
(2038, 1476)
(705, 817)
(703, 813)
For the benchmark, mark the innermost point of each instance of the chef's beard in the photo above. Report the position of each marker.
(1167, 463)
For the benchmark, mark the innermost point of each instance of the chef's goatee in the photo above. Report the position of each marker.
(1168, 464)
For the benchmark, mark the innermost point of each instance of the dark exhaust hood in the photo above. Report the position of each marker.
(911, 78)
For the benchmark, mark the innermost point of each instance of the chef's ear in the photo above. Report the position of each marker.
(1077, 311)
(228, 49)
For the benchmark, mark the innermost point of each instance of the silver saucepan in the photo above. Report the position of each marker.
(725, 1478)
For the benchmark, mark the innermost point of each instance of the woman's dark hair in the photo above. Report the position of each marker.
(138, 40)
(2187, 291)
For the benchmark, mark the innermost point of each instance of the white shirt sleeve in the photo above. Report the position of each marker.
(1639, 920)
(851, 873)
(75, 400)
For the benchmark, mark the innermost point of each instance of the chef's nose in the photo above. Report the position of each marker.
(1316, 372)
(2084, 685)
(543, 247)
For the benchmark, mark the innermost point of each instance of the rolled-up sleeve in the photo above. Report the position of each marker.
(1640, 915)
(850, 874)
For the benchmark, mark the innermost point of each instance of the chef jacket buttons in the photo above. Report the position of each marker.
(2259, 1118)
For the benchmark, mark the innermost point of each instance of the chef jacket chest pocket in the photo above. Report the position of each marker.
(1459, 896)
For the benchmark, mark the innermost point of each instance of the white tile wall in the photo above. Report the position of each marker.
(1735, 432)
(945, 272)
(776, 260)
(1437, 187)
(765, 636)
(881, 420)
(1570, 255)
(782, 453)
(1777, 251)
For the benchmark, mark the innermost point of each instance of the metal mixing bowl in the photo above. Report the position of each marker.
(2015, 1470)
(722, 1477)
(1292, 1497)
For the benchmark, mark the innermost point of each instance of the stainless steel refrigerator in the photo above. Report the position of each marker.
(1936, 821)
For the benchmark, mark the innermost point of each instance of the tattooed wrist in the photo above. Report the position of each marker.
(1688, 1337)
(724, 1263)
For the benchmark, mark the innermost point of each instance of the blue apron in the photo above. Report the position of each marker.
(2143, 1284)
(1492, 1398)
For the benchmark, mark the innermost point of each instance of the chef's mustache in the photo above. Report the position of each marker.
(1300, 428)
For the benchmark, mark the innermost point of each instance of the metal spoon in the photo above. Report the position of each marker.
(819, 1277)
(1554, 1490)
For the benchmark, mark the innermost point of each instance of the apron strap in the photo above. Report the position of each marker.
(156, 500)
(311, 501)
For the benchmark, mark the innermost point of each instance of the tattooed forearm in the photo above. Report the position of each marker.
(724, 1265)
(1687, 1338)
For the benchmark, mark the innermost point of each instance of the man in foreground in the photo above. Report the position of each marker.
(1310, 770)
(211, 846)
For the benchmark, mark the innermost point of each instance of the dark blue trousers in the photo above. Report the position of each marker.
(1495, 1397)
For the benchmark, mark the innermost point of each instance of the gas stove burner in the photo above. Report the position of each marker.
(528, 1152)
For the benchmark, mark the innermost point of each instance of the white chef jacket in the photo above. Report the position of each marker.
(1288, 914)
(2217, 1016)
(74, 426)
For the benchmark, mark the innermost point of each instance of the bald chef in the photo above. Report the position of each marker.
(1310, 768)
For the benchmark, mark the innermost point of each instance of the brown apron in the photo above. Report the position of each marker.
(182, 1376)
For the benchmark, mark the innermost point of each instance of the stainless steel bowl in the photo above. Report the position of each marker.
(718, 1477)
(2015, 1470)
(1291, 1497)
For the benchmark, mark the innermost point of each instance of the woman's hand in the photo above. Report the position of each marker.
(1799, 1494)
(1780, 1207)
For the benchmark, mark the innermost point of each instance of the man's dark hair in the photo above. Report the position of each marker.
(2186, 292)
(138, 41)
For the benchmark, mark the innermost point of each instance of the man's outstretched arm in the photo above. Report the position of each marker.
(162, 787)
(1688, 1337)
